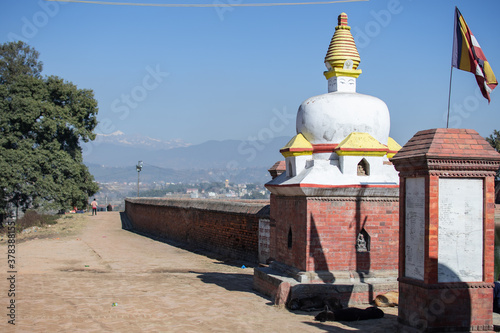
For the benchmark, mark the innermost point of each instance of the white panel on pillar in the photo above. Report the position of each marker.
(415, 228)
(460, 250)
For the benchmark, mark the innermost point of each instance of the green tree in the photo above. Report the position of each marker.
(494, 141)
(42, 122)
(18, 59)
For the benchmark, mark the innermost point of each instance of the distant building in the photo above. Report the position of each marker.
(193, 192)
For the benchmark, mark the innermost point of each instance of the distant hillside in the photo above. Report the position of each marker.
(150, 174)
(227, 154)
(239, 161)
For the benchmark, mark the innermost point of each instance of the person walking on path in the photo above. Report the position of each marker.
(94, 207)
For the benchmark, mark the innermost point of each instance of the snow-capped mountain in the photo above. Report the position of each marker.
(138, 141)
(244, 160)
(118, 149)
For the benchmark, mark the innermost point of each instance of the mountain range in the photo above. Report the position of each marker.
(111, 157)
(136, 140)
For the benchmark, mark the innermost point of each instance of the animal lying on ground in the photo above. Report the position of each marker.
(349, 314)
(390, 298)
(314, 303)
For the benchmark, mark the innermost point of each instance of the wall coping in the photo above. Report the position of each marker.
(260, 208)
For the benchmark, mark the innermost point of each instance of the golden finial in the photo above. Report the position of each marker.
(342, 48)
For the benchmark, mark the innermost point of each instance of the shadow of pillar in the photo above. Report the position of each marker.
(316, 251)
(361, 249)
(444, 305)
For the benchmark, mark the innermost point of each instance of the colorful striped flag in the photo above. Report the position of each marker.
(468, 56)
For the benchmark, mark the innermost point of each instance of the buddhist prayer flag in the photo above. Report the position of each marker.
(468, 56)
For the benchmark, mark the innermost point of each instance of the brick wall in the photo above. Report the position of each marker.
(445, 306)
(289, 214)
(324, 232)
(229, 228)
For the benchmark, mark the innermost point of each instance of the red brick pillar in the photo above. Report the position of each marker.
(446, 261)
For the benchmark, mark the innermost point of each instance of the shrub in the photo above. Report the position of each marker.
(32, 219)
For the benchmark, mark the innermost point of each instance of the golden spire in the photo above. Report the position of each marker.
(342, 57)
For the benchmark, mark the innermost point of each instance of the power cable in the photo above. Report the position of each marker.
(221, 4)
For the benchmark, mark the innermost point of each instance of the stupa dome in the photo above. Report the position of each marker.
(329, 118)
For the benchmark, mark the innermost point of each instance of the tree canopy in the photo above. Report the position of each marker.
(494, 141)
(42, 122)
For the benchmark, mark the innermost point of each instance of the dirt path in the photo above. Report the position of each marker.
(69, 282)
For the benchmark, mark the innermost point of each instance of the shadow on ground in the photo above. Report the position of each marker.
(243, 282)
(387, 324)
(228, 281)
(222, 259)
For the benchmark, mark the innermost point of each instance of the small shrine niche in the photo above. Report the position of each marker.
(363, 241)
(363, 168)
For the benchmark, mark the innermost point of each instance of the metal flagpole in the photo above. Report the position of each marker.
(451, 69)
(449, 98)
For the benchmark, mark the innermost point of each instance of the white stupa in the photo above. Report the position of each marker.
(342, 137)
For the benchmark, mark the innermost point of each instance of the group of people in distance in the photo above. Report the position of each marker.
(94, 205)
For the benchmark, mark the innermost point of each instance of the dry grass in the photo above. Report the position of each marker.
(56, 227)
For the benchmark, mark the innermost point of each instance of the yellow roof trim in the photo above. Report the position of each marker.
(342, 72)
(393, 146)
(295, 153)
(360, 153)
(298, 141)
(357, 144)
(297, 146)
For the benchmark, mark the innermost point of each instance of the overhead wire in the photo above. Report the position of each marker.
(219, 4)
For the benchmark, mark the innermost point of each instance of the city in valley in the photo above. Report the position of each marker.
(113, 193)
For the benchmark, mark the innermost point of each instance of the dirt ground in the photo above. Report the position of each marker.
(87, 274)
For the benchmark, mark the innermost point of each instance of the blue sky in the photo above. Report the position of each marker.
(224, 72)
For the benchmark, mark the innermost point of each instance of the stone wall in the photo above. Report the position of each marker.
(229, 228)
